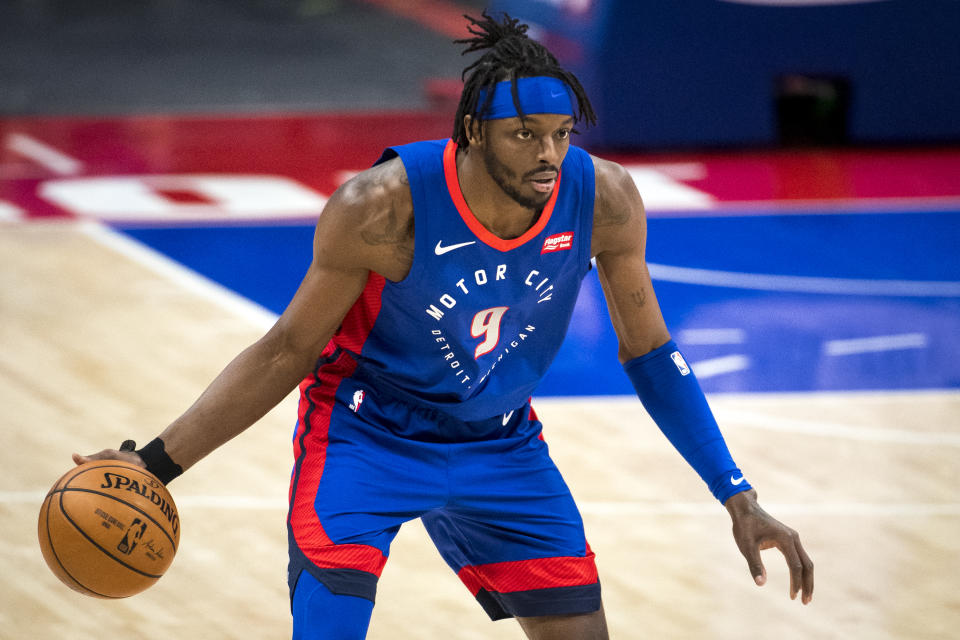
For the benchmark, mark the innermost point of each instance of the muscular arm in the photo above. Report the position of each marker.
(266, 371)
(619, 245)
(366, 226)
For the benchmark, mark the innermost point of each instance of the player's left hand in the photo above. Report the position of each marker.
(754, 530)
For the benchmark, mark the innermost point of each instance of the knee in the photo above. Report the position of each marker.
(320, 613)
(581, 626)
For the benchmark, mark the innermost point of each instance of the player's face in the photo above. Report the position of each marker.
(524, 156)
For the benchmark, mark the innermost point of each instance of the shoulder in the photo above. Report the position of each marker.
(616, 190)
(618, 214)
(381, 187)
(368, 222)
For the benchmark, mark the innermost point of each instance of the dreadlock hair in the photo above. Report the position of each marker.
(510, 54)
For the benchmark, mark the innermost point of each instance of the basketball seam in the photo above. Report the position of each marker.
(56, 556)
(94, 542)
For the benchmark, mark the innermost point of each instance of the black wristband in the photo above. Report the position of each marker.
(154, 454)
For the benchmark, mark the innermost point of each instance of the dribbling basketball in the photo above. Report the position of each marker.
(108, 529)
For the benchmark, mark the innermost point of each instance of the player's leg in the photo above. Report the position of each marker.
(514, 536)
(585, 626)
(354, 483)
(319, 614)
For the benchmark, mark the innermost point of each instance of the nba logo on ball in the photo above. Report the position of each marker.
(108, 529)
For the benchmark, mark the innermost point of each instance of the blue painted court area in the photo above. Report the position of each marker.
(758, 302)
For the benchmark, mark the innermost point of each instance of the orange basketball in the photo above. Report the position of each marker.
(108, 529)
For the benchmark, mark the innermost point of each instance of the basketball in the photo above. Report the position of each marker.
(108, 529)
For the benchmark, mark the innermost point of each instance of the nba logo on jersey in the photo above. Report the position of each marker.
(357, 400)
(680, 362)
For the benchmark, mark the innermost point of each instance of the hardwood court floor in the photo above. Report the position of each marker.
(98, 347)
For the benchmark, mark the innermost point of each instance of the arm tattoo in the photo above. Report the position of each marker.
(607, 216)
(390, 226)
(639, 298)
(390, 231)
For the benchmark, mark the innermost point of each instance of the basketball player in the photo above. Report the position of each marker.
(442, 283)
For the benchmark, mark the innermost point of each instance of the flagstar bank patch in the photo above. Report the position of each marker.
(557, 242)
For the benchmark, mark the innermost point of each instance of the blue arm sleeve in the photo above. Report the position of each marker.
(672, 396)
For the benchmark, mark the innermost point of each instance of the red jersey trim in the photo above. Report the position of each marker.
(482, 233)
(358, 323)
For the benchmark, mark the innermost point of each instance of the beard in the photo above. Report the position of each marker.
(505, 179)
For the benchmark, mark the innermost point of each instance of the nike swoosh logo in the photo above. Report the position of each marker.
(737, 481)
(440, 250)
(506, 417)
(556, 95)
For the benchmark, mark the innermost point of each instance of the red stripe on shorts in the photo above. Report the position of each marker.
(526, 575)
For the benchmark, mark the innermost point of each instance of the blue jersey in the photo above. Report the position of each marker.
(477, 321)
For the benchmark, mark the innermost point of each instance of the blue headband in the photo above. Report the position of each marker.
(539, 94)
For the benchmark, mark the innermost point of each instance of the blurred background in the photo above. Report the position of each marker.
(688, 73)
(102, 57)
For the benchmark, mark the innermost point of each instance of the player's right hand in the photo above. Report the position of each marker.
(125, 453)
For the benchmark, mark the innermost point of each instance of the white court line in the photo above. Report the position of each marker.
(874, 344)
(712, 336)
(239, 503)
(43, 154)
(597, 508)
(834, 430)
(733, 418)
(806, 284)
(188, 279)
(716, 366)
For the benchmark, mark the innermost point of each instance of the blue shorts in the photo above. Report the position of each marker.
(487, 492)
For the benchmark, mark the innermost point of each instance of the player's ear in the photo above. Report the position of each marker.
(473, 129)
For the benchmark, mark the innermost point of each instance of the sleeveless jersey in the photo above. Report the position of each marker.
(476, 323)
